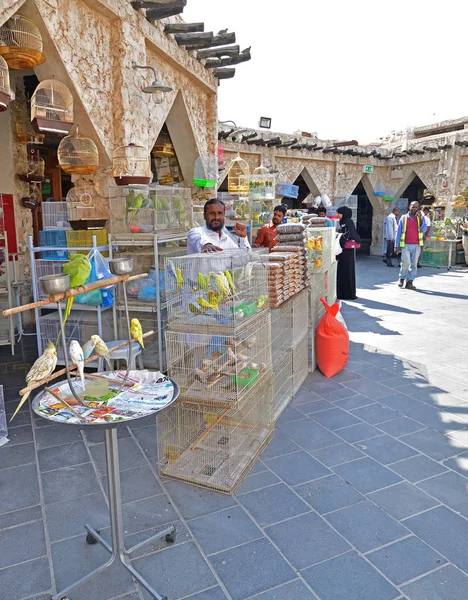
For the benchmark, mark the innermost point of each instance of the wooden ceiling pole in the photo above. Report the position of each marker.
(165, 10)
(224, 73)
(184, 27)
(213, 63)
(218, 40)
(218, 52)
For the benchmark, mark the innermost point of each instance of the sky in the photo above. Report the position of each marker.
(345, 70)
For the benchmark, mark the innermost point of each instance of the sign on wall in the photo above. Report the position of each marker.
(367, 169)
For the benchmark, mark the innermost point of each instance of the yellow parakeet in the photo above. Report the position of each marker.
(79, 269)
(101, 349)
(136, 331)
(41, 369)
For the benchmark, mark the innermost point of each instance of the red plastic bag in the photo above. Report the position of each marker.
(331, 342)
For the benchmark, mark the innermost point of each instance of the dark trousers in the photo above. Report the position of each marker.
(390, 249)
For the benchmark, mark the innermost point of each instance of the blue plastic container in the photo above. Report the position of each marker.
(287, 190)
(53, 237)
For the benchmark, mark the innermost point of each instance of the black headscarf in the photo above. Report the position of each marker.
(345, 212)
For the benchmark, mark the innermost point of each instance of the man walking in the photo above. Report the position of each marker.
(410, 239)
(390, 231)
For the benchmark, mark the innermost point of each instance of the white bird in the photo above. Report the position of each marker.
(75, 351)
(88, 348)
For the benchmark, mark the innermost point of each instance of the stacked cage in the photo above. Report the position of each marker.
(164, 210)
(3, 420)
(320, 248)
(218, 346)
(289, 349)
(85, 239)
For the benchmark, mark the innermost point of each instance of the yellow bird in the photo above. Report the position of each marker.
(205, 304)
(136, 331)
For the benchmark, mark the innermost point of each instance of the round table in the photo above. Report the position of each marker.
(117, 548)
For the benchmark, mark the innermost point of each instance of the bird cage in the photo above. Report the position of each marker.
(283, 384)
(6, 95)
(320, 248)
(238, 176)
(205, 173)
(300, 363)
(236, 209)
(33, 170)
(211, 446)
(379, 189)
(262, 184)
(3, 420)
(220, 370)
(217, 291)
(21, 43)
(78, 155)
(52, 108)
(131, 165)
(55, 215)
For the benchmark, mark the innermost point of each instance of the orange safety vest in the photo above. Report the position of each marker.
(403, 232)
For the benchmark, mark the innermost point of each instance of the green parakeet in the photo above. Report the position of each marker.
(79, 269)
(132, 204)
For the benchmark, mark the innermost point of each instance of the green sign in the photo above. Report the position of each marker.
(368, 169)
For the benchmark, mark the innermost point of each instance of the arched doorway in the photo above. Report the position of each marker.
(364, 218)
(414, 191)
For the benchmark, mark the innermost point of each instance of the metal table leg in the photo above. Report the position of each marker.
(117, 548)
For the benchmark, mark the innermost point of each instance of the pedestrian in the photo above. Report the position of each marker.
(427, 219)
(464, 227)
(390, 230)
(266, 236)
(349, 240)
(410, 239)
(322, 212)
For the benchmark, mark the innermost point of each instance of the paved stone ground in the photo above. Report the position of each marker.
(361, 495)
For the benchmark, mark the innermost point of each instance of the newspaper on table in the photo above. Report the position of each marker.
(151, 392)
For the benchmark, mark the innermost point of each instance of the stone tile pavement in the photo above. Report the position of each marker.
(361, 495)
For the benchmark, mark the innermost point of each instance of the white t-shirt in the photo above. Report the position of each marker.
(199, 236)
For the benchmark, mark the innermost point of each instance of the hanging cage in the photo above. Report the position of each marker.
(34, 168)
(238, 176)
(131, 165)
(78, 155)
(6, 95)
(21, 43)
(52, 108)
(262, 184)
(205, 173)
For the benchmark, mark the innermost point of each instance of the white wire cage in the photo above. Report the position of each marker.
(3, 420)
(283, 384)
(262, 184)
(331, 283)
(221, 370)
(300, 362)
(131, 164)
(320, 248)
(288, 322)
(154, 209)
(52, 108)
(205, 173)
(214, 447)
(6, 94)
(217, 290)
(55, 215)
(47, 267)
(238, 209)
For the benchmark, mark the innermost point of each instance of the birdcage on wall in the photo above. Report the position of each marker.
(320, 248)
(6, 95)
(156, 209)
(33, 168)
(78, 155)
(216, 291)
(55, 215)
(52, 108)
(214, 447)
(262, 184)
(131, 165)
(205, 174)
(238, 176)
(21, 43)
(220, 370)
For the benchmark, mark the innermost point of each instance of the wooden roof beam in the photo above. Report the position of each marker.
(184, 27)
(218, 52)
(213, 63)
(221, 39)
(165, 10)
(185, 39)
(224, 73)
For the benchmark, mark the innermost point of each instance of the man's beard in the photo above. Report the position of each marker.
(215, 227)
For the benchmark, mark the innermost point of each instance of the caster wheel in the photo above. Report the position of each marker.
(90, 539)
(170, 539)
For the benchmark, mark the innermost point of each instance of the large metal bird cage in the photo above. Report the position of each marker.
(211, 446)
(217, 291)
(238, 209)
(320, 248)
(283, 384)
(221, 370)
(300, 362)
(21, 43)
(262, 184)
(205, 174)
(3, 420)
(238, 176)
(131, 165)
(78, 155)
(55, 215)
(155, 209)
(6, 95)
(52, 108)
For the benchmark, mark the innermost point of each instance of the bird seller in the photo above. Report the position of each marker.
(409, 241)
(213, 236)
(266, 236)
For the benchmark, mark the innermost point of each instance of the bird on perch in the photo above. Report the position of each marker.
(79, 269)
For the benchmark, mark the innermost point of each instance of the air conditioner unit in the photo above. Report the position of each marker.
(396, 173)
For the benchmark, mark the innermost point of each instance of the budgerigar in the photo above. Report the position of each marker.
(88, 348)
(75, 352)
(101, 349)
(79, 269)
(41, 369)
(136, 331)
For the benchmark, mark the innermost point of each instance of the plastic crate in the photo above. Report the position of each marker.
(287, 190)
(53, 237)
(84, 239)
(434, 258)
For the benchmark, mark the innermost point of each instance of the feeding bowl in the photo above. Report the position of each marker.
(121, 266)
(55, 284)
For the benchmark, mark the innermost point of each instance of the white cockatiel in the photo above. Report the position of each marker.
(75, 351)
(41, 369)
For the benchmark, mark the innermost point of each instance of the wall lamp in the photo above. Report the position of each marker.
(157, 88)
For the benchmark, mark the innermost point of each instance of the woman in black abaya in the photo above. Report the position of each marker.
(346, 276)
